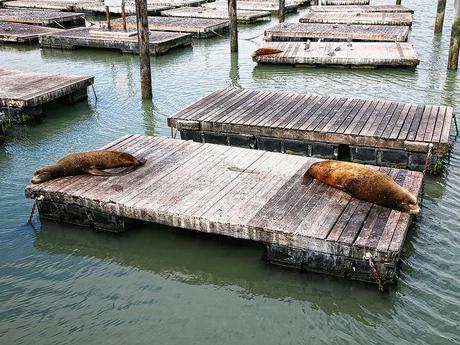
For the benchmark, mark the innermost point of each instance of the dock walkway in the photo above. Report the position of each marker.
(241, 193)
(203, 12)
(272, 7)
(365, 131)
(352, 18)
(23, 33)
(198, 27)
(22, 94)
(43, 18)
(336, 32)
(160, 42)
(343, 2)
(356, 55)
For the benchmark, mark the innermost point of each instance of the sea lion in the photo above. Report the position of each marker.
(91, 162)
(364, 183)
(266, 51)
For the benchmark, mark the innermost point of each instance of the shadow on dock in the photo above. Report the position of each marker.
(197, 259)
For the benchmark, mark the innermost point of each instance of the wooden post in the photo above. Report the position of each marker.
(123, 14)
(454, 38)
(398, 2)
(233, 25)
(143, 35)
(107, 16)
(440, 16)
(282, 11)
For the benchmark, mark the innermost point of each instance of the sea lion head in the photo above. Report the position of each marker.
(408, 203)
(42, 175)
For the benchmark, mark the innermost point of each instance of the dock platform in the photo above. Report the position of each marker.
(342, 54)
(43, 18)
(375, 132)
(23, 94)
(241, 193)
(272, 7)
(89, 37)
(244, 17)
(94, 6)
(356, 18)
(198, 27)
(363, 9)
(336, 32)
(23, 33)
(343, 2)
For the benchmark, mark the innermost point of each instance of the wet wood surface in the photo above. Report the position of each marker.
(23, 33)
(370, 18)
(272, 7)
(42, 18)
(203, 12)
(331, 119)
(241, 193)
(336, 32)
(363, 8)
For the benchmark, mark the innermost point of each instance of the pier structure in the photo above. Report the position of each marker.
(242, 193)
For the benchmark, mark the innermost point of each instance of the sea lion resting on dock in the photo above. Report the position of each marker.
(266, 51)
(91, 162)
(364, 183)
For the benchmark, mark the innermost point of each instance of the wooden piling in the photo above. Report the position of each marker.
(440, 16)
(454, 38)
(107, 16)
(282, 11)
(398, 2)
(144, 47)
(123, 14)
(232, 16)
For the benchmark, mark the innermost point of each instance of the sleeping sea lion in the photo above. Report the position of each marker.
(91, 162)
(364, 183)
(266, 51)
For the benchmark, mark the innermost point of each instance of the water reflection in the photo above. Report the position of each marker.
(195, 259)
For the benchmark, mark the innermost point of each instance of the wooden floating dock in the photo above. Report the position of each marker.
(357, 18)
(95, 6)
(363, 8)
(43, 18)
(341, 54)
(203, 12)
(160, 42)
(23, 94)
(198, 27)
(336, 32)
(241, 193)
(375, 132)
(272, 7)
(23, 33)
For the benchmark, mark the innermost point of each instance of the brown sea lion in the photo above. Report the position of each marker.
(266, 51)
(364, 183)
(91, 162)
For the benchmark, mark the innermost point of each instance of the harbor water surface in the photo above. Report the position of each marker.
(61, 284)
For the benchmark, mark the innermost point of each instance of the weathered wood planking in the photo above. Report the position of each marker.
(93, 6)
(203, 12)
(349, 18)
(43, 18)
(241, 193)
(377, 132)
(160, 42)
(344, 2)
(272, 7)
(362, 8)
(357, 54)
(336, 32)
(23, 93)
(23, 33)
(199, 27)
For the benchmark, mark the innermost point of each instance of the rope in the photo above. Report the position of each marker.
(456, 125)
(34, 206)
(94, 91)
(63, 27)
(375, 274)
(428, 159)
(251, 38)
(215, 33)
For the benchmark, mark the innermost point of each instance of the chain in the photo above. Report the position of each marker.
(33, 208)
(375, 274)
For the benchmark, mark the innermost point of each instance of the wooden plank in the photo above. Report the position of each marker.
(22, 33)
(243, 16)
(360, 54)
(447, 125)
(43, 18)
(336, 32)
(357, 18)
(265, 6)
(363, 8)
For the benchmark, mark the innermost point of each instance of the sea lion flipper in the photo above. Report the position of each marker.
(97, 172)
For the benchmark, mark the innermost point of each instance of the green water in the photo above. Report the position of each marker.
(154, 285)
